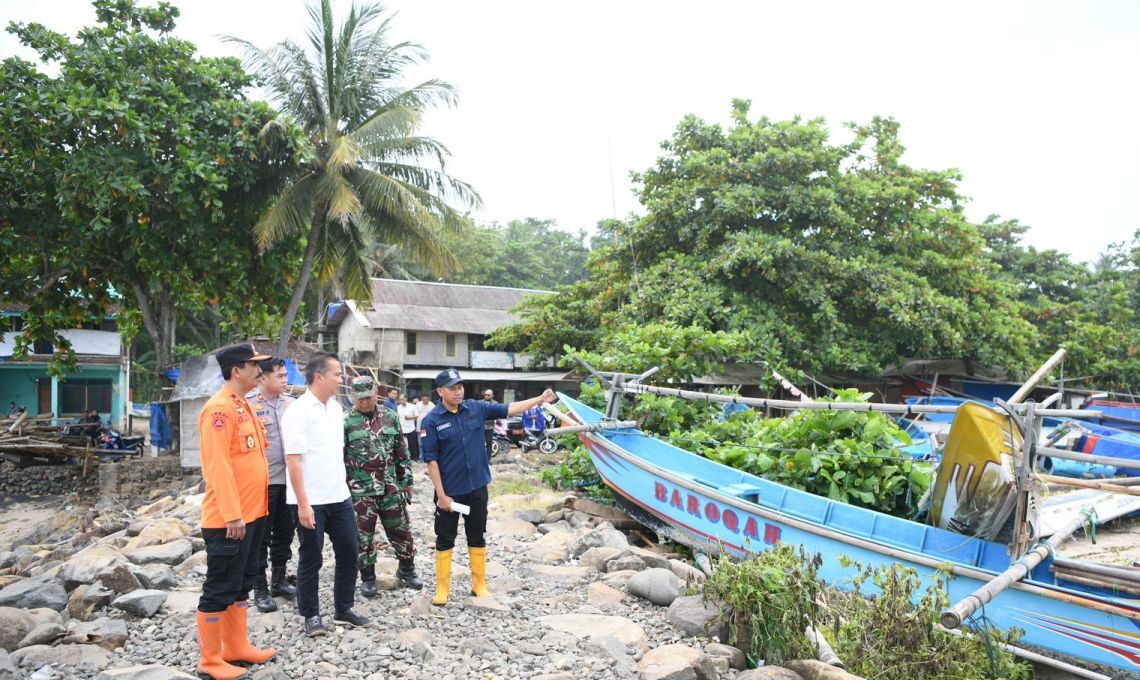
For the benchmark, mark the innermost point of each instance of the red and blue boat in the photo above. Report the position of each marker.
(719, 509)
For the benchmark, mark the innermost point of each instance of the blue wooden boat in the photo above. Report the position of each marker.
(716, 508)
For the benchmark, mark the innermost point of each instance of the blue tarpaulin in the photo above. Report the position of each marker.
(161, 435)
(173, 374)
(296, 377)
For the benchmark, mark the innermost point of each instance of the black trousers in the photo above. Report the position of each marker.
(412, 441)
(278, 541)
(488, 435)
(231, 567)
(474, 524)
(338, 520)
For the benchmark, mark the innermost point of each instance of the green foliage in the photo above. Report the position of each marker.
(848, 456)
(576, 472)
(884, 628)
(528, 253)
(129, 182)
(770, 596)
(882, 625)
(835, 257)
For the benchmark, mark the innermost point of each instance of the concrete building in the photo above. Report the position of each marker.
(99, 382)
(415, 329)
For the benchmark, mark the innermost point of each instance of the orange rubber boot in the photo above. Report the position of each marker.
(235, 641)
(210, 648)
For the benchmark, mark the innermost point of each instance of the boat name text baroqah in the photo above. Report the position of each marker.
(713, 512)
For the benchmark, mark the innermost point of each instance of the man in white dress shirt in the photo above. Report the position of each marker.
(313, 435)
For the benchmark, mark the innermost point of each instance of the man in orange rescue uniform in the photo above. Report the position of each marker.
(236, 473)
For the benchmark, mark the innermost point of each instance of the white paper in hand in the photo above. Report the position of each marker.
(460, 508)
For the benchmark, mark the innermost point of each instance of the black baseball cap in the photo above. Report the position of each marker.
(447, 378)
(232, 355)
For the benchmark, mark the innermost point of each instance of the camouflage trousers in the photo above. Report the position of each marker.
(392, 513)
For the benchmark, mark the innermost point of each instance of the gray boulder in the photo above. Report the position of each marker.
(86, 565)
(7, 559)
(676, 662)
(716, 650)
(43, 634)
(769, 673)
(625, 562)
(35, 592)
(659, 586)
(596, 558)
(81, 657)
(532, 515)
(156, 576)
(14, 625)
(140, 603)
(171, 553)
(120, 579)
(604, 536)
(45, 615)
(108, 633)
(86, 598)
(150, 672)
(693, 616)
(7, 670)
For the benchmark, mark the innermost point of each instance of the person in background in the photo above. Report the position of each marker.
(236, 473)
(380, 479)
(423, 407)
(313, 433)
(269, 402)
(460, 470)
(390, 402)
(534, 421)
(489, 425)
(407, 414)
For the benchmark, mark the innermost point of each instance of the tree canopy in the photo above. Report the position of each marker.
(130, 181)
(826, 256)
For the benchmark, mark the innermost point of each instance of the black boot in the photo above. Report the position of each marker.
(407, 575)
(261, 597)
(280, 586)
(368, 582)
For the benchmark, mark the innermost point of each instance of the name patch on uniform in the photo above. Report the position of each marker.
(219, 420)
(442, 427)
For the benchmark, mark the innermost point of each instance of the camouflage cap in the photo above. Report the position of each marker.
(363, 387)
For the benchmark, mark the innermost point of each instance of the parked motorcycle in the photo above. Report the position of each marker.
(512, 433)
(113, 445)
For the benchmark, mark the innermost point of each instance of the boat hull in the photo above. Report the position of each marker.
(715, 508)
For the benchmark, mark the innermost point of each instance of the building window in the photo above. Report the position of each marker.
(449, 345)
(80, 396)
(15, 324)
(43, 347)
(475, 343)
(410, 344)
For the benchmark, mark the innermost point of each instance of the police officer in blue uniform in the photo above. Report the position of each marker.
(451, 443)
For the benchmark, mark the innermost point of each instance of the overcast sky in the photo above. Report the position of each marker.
(1036, 103)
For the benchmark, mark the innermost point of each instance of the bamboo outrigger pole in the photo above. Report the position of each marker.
(954, 616)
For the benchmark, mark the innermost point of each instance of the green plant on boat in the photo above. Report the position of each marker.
(882, 624)
(848, 456)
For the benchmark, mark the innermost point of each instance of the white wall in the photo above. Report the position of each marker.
(431, 346)
(103, 343)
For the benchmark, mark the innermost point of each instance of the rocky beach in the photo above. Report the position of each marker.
(109, 591)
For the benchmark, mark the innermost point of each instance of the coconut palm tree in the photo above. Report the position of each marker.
(368, 176)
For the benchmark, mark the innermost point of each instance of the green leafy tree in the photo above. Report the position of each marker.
(130, 181)
(829, 257)
(367, 175)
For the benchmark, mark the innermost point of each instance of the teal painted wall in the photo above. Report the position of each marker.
(18, 384)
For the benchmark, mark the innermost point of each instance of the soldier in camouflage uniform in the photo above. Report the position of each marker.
(380, 479)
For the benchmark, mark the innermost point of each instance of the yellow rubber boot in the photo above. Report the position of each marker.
(210, 648)
(235, 637)
(478, 572)
(442, 577)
